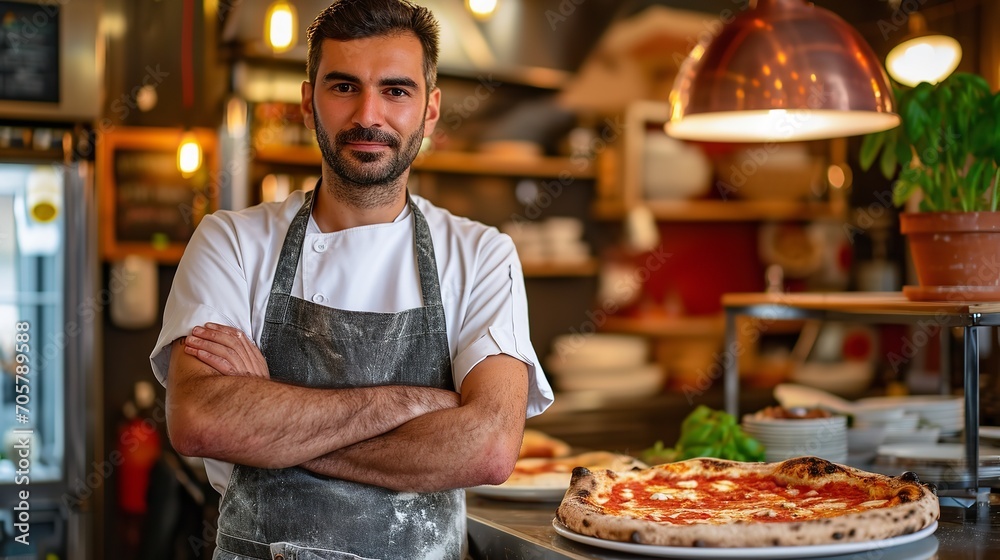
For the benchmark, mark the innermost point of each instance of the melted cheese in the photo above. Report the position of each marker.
(722, 500)
(723, 485)
(829, 505)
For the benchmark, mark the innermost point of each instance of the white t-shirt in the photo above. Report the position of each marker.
(226, 273)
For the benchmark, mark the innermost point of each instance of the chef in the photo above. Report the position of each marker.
(350, 358)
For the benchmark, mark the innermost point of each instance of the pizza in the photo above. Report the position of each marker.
(539, 444)
(717, 503)
(542, 472)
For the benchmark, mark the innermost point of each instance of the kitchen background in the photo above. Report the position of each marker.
(551, 130)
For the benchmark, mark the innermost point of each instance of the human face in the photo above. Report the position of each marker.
(370, 108)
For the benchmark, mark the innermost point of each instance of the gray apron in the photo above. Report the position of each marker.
(292, 513)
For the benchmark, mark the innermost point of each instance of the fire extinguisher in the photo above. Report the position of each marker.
(139, 446)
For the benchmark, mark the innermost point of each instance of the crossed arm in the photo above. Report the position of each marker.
(222, 404)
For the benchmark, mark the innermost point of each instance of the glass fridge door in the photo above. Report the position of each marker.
(32, 342)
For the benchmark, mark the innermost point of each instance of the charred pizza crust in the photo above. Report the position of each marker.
(908, 506)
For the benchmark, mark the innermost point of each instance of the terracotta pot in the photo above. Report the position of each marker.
(956, 255)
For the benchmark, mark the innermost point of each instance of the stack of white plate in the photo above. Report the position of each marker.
(610, 365)
(784, 439)
(863, 443)
(947, 413)
(939, 462)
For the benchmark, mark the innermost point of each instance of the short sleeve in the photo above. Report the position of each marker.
(496, 320)
(209, 286)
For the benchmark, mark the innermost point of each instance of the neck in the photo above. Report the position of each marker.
(341, 206)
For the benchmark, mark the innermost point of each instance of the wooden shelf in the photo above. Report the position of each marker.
(290, 155)
(556, 270)
(486, 164)
(707, 325)
(722, 210)
(30, 154)
(450, 162)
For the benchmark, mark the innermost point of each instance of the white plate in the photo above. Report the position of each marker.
(937, 453)
(520, 493)
(989, 432)
(763, 552)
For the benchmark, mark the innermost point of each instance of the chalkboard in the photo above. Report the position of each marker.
(29, 52)
(148, 206)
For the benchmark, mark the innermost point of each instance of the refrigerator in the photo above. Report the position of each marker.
(50, 315)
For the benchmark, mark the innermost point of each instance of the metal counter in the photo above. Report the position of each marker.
(501, 530)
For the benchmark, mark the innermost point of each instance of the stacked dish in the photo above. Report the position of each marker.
(941, 462)
(787, 438)
(611, 365)
(947, 413)
(899, 426)
(863, 443)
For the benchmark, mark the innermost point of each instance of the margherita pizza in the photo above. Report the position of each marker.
(716, 503)
(538, 472)
(539, 444)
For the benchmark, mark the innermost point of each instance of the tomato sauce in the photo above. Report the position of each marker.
(746, 498)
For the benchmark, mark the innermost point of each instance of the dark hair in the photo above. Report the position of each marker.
(345, 20)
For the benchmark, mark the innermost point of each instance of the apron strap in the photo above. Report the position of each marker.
(288, 261)
(430, 288)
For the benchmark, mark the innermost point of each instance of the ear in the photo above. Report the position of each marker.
(307, 106)
(433, 112)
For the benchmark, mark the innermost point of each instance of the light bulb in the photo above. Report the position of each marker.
(279, 26)
(482, 9)
(930, 58)
(188, 154)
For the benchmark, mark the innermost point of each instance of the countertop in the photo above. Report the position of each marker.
(507, 530)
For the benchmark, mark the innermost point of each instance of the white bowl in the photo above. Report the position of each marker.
(599, 351)
(770, 172)
(877, 415)
(638, 381)
(841, 378)
(863, 441)
(673, 169)
(924, 435)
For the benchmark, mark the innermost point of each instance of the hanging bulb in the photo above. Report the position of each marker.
(481, 9)
(188, 154)
(922, 56)
(930, 58)
(279, 26)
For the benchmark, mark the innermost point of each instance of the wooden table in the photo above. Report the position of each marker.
(873, 307)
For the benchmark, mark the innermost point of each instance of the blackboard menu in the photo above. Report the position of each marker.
(154, 203)
(29, 51)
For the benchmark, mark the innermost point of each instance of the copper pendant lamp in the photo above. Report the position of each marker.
(783, 70)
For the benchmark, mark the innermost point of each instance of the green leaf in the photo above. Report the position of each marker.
(904, 154)
(916, 118)
(887, 163)
(870, 145)
(952, 129)
(752, 449)
(902, 191)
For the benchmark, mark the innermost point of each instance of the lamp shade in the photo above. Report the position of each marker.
(783, 70)
(922, 56)
(930, 58)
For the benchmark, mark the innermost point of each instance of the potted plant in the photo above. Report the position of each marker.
(948, 149)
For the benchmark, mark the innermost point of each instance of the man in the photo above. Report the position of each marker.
(394, 366)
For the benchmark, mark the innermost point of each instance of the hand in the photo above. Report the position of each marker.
(227, 350)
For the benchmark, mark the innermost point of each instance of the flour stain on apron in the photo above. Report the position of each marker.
(299, 514)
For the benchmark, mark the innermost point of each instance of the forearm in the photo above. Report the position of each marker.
(264, 423)
(476, 443)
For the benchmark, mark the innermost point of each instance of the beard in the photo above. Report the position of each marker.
(367, 179)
